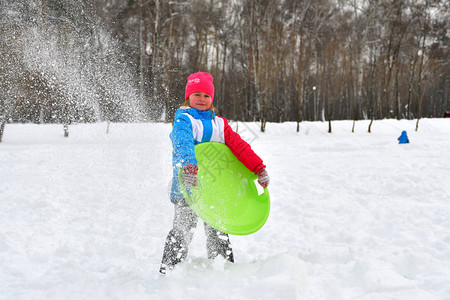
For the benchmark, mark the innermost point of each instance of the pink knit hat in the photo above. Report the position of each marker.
(199, 82)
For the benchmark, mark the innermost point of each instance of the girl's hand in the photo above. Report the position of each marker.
(263, 177)
(190, 175)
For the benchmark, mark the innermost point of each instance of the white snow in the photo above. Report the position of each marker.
(354, 215)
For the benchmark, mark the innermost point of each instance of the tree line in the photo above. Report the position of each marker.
(272, 61)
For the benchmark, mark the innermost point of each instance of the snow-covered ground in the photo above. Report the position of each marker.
(354, 215)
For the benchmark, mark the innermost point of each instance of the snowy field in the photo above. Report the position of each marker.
(354, 215)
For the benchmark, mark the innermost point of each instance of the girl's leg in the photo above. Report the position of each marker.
(217, 243)
(178, 239)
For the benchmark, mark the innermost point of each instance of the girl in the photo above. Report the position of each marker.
(195, 122)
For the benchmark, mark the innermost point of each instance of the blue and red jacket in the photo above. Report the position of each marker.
(193, 126)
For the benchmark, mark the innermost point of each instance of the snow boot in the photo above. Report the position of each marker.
(218, 243)
(174, 250)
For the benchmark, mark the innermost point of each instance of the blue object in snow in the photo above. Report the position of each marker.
(403, 139)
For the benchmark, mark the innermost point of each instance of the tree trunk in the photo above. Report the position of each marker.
(222, 80)
(2, 128)
(66, 130)
(299, 84)
(370, 125)
(396, 91)
(419, 88)
(141, 53)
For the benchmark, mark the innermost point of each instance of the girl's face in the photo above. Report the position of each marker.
(201, 101)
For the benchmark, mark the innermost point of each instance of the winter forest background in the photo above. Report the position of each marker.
(66, 61)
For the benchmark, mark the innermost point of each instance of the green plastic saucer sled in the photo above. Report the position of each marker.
(226, 196)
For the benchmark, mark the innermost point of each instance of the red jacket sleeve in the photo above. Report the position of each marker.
(241, 149)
